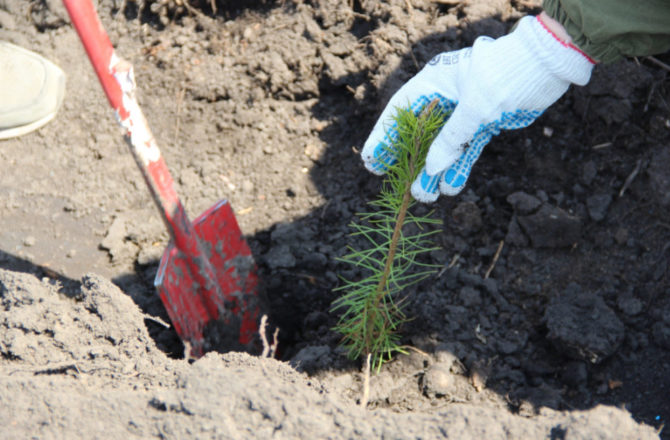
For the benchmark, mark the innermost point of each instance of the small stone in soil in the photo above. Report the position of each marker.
(438, 380)
(444, 354)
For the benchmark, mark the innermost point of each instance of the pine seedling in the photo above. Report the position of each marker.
(372, 307)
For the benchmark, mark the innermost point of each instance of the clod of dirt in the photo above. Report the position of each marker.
(612, 93)
(468, 217)
(280, 256)
(40, 326)
(286, 233)
(582, 326)
(48, 14)
(589, 172)
(515, 235)
(470, 296)
(116, 242)
(597, 205)
(513, 342)
(438, 380)
(523, 203)
(312, 358)
(551, 227)
(543, 395)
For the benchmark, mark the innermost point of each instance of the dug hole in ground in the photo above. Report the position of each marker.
(563, 333)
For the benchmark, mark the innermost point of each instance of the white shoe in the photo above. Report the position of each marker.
(31, 90)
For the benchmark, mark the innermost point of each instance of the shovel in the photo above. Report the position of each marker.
(207, 277)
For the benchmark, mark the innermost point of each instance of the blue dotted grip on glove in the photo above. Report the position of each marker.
(451, 181)
(455, 177)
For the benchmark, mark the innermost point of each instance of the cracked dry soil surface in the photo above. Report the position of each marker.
(549, 319)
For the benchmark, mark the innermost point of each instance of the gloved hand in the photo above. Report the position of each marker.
(500, 84)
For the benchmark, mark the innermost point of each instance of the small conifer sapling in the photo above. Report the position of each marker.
(371, 308)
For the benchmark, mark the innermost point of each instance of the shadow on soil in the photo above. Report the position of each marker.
(158, 14)
(18, 264)
(573, 312)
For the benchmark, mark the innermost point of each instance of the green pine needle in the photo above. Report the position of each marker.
(371, 307)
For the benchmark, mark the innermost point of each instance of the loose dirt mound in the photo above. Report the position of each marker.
(85, 367)
(549, 319)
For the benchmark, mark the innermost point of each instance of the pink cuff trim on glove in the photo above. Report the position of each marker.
(563, 43)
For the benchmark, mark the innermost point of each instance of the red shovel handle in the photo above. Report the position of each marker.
(116, 77)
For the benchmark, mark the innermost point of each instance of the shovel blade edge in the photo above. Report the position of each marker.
(234, 325)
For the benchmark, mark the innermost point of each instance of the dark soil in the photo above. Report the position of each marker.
(565, 334)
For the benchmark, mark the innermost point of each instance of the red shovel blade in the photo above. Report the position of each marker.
(216, 319)
(207, 277)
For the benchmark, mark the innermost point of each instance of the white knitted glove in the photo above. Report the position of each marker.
(495, 85)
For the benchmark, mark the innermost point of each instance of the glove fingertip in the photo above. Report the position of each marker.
(422, 195)
(378, 158)
(450, 191)
(425, 188)
(373, 166)
(452, 183)
(371, 143)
